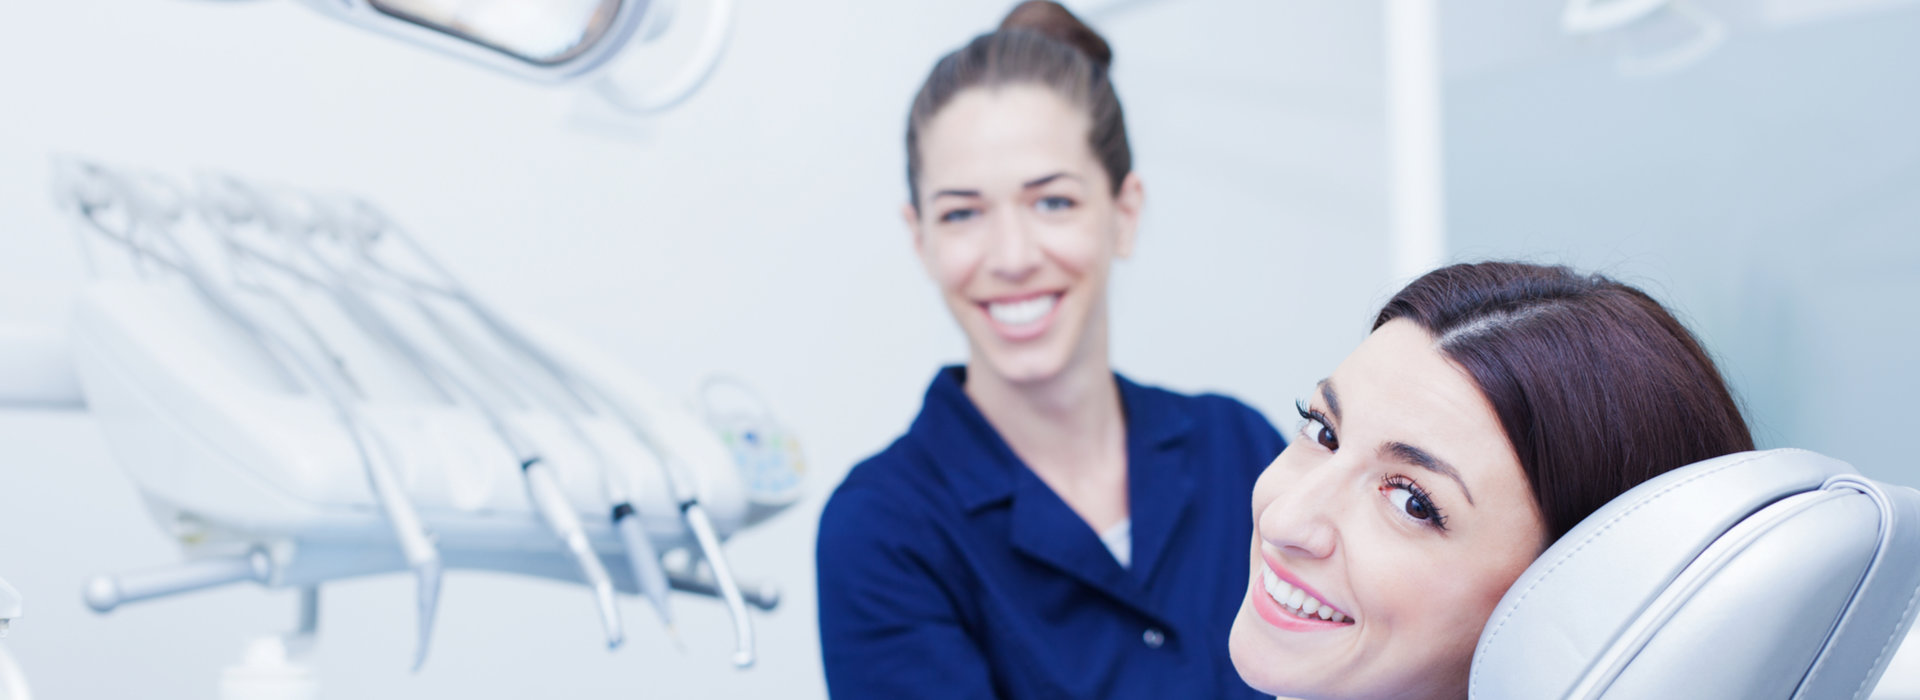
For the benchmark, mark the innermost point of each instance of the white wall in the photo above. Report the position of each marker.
(1769, 192)
(754, 231)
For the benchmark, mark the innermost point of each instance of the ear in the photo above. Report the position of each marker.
(911, 216)
(1127, 206)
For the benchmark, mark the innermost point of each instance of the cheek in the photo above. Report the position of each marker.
(1080, 248)
(953, 260)
(1439, 596)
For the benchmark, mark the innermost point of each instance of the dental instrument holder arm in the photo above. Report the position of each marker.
(105, 593)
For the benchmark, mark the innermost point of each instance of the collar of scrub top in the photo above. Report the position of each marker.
(984, 472)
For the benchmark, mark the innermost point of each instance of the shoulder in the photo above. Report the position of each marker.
(885, 496)
(1242, 428)
(1217, 416)
(1227, 435)
(1227, 410)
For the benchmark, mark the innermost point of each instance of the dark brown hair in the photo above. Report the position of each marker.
(1597, 386)
(1039, 43)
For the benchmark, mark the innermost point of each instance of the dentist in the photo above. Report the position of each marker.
(1046, 527)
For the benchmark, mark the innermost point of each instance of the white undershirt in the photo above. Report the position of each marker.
(1119, 540)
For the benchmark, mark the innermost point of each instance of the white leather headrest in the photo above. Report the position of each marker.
(1779, 574)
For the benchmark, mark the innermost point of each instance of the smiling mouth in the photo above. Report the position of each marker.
(1024, 311)
(1298, 602)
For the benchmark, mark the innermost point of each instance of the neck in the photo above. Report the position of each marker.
(1069, 422)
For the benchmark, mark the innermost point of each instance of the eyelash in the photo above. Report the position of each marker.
(1309, 417)
(1435, 518)
(957, 215)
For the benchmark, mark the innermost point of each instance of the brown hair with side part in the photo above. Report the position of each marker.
(1596, 385)
(1039, 43)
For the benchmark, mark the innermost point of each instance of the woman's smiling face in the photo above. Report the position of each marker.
(1019, 226)
(1398, 517)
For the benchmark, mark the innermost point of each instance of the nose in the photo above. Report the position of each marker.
(1013, 253)
(1301, 520)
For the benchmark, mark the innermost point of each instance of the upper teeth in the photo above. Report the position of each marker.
(1297, 601)
(1017, 313)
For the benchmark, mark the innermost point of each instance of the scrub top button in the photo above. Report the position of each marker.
(1153, 637)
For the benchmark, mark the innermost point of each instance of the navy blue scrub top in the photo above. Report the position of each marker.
(948, 569)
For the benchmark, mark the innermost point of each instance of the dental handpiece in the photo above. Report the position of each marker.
(416, 543)
(692, 513)
(651, 575)
(552, 504)
(695, 517)
(703, 533)
(543, 488)
(643, 560)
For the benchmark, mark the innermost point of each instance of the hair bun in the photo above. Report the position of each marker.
(1058, 23)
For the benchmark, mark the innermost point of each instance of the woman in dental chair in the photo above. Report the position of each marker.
(1493, 407)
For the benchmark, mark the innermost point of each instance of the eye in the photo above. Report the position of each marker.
(1409, 498)
(1316, 428)
(1053, 203)
(958, 215)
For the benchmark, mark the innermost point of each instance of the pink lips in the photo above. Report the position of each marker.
(1275, 615)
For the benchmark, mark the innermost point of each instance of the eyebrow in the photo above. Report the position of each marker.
(1404, 452)
(1333, 399)
(1038, 181)
(1030, 184)
(954, 193)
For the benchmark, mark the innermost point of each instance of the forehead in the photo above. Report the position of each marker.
(1002, 135)
(1397, 386)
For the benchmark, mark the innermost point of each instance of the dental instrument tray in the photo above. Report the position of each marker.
(301, 394)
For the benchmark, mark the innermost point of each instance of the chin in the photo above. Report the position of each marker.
(1026, 365)
(1243, 649)
(1268, 670)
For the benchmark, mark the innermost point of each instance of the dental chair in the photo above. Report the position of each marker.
(1778, 574)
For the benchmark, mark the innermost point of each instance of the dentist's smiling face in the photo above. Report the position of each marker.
(1019, 225)
(1386, 533)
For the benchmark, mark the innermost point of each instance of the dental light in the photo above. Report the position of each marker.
(1596, 16)
(1655, 37)
(552, 41)
(302, 394)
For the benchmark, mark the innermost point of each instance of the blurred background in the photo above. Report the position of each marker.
(1752, 163)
